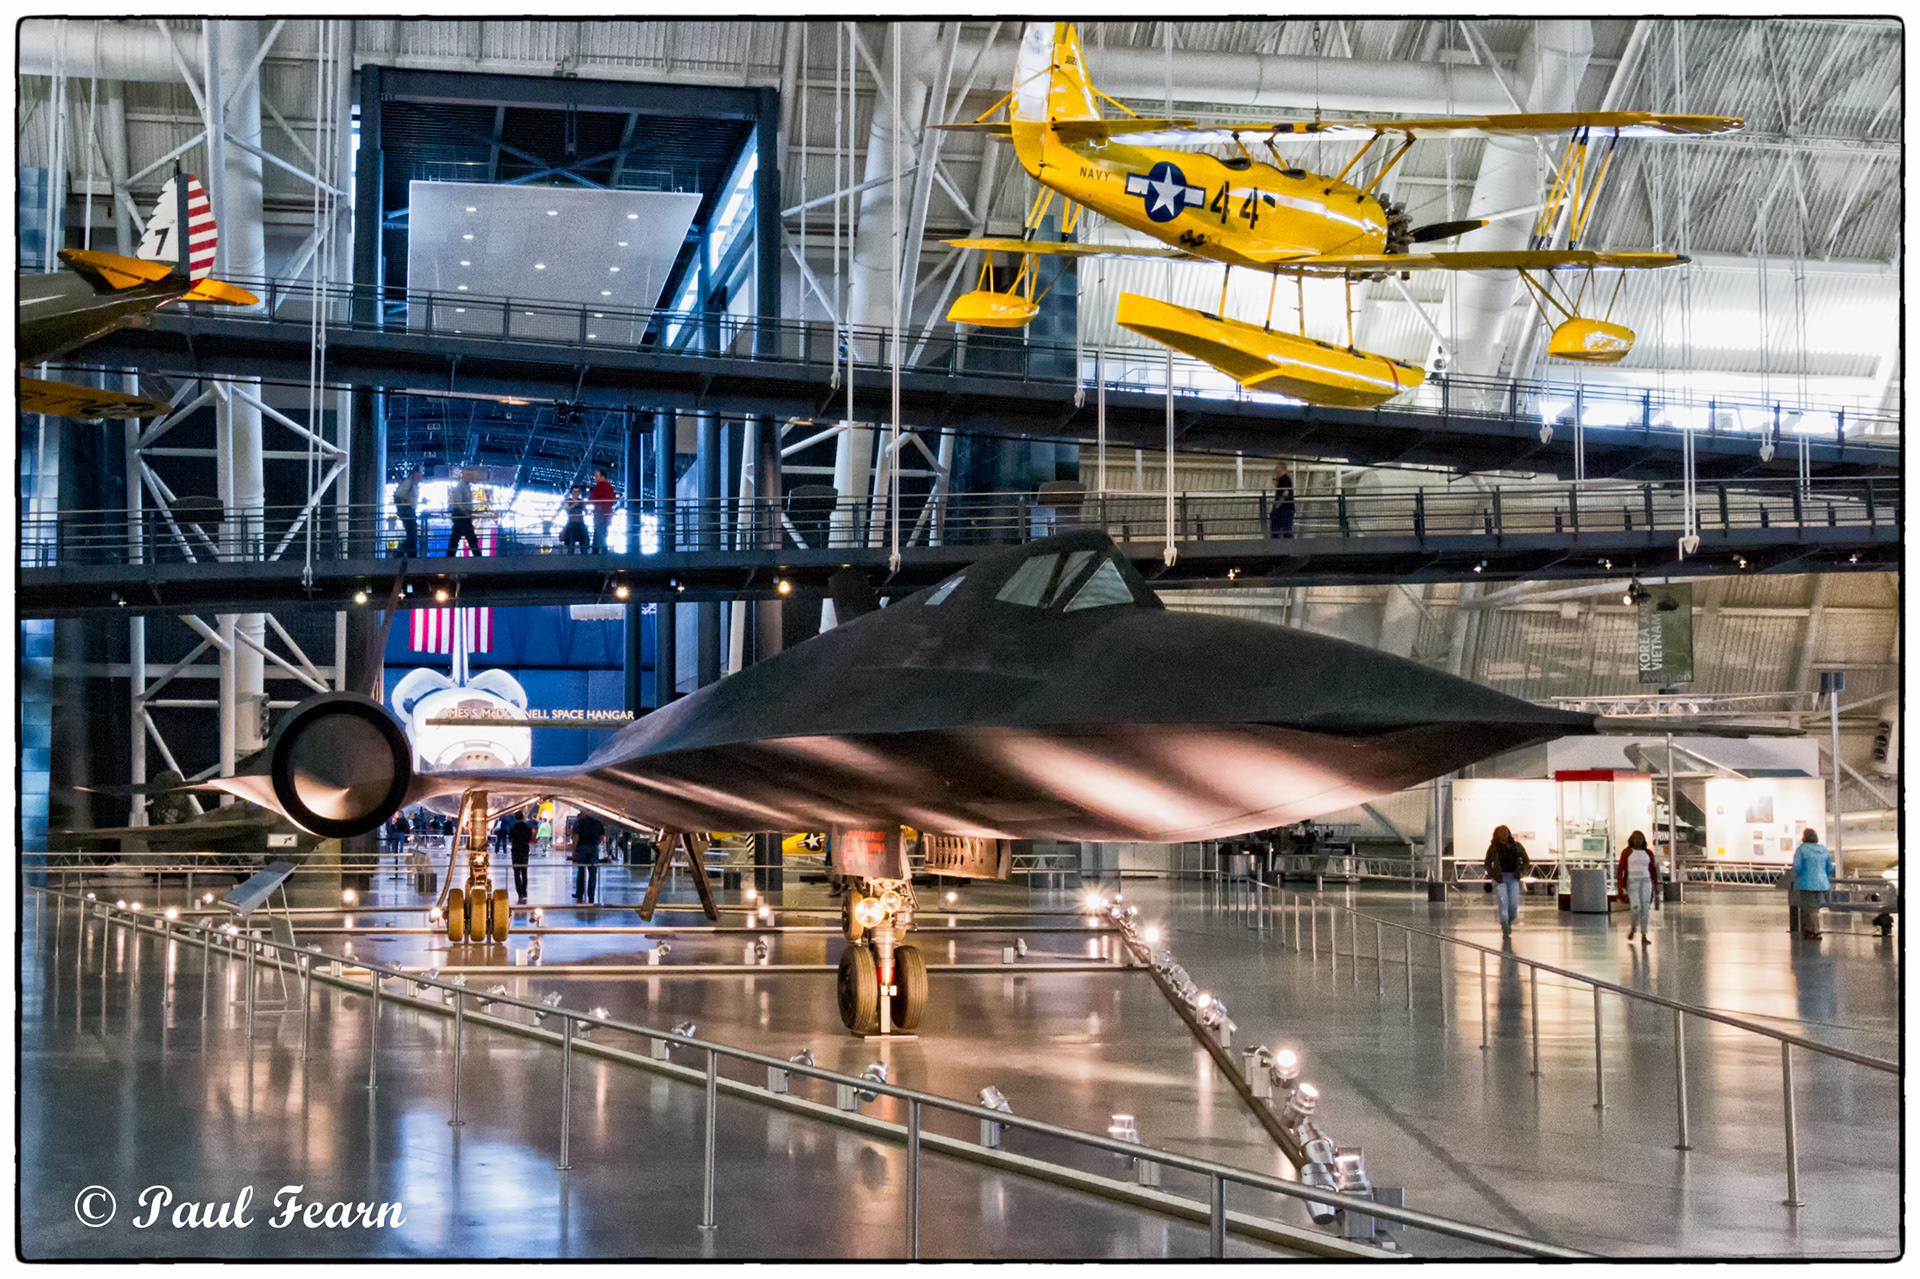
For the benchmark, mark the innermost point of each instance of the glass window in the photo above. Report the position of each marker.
(1030, 581)
(1076, 563)
(945, 589)
(1106, 587)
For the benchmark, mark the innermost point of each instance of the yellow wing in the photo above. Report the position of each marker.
(1189, 133)
(1492, 260)
(1008, 244)
(111, 271)
(62, 399)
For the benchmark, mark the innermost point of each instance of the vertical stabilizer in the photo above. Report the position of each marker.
(1050, 76)
(182, 201)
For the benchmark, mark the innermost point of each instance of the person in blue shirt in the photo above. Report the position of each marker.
(1812, 878)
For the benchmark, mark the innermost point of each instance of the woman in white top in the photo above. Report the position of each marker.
(1636, 881)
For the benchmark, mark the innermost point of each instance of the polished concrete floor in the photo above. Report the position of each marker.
(125, 1084)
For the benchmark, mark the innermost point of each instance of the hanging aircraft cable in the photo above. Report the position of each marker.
(899, 298)
(1169, 551)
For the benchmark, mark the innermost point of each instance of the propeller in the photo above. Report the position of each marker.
(1444, 230)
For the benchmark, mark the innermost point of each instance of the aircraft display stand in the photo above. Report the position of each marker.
(693, 847)
(480, 911)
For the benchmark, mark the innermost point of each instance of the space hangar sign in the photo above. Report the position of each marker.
(533, 717)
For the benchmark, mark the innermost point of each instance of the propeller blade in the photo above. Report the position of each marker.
(1444, 230)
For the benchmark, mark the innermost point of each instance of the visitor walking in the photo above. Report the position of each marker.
(586, 858)
(1636, 884)
(604, 499)
(1812, 878)
(519, 842)
(1507, 864)
(546, 834)
(406, 500)
(1281, 519)
(460, 513)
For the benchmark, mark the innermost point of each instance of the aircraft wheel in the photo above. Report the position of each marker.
(456, 915)
(501, 917)
(910, 987)
(859, 990)
(477, 914)
(848, 924)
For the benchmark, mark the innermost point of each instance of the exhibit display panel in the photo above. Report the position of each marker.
(1525, 806)
(1758, 820)
(1598, 809)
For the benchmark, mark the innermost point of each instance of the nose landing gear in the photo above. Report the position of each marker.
(882, 979)
(479, 911)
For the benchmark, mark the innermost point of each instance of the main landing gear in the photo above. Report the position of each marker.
(883, 979)
(479, 911)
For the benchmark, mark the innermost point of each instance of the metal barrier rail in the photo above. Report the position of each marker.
(696, 334)
(1249, 897)
(1217, 1175)
(204, 532)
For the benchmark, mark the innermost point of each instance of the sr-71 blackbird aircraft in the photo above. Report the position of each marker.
(1044, 692)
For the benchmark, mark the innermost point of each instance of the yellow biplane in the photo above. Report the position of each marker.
(1284, 220)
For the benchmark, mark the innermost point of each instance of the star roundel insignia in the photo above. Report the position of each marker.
(1164, 191)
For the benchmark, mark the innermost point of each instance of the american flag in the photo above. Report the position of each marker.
(434, 628)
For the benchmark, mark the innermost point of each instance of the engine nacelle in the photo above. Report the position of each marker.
(340, 765)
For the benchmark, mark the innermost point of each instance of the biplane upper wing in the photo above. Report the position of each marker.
(63, 399)
(1491, 260)
(1190, 133)
(1069, 249)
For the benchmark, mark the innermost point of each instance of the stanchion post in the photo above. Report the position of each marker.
(1440, 946)
(306, 1003)
(373, 1031)
(913, 1179)
(1793, 1199)
(1533, 995)
(713, 1108)
(1599, 1074)
(1353, 944)
(1483, 999)
(1379, 959)
(459, 1033)
(1217, 1218)
(566, 1095)
(1408, 934)
(1680, 1076)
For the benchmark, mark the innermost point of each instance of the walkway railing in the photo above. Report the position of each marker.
(607, 329)
(1265, 908)
(248, 947)
(201, 531)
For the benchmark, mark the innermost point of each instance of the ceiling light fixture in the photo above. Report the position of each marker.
(632, 216)
(606, 293)
(471, 209)
(613, 268)
(460, 288)
(621, 592)
(466, 262)
(539, 266)
(441, 595)
(467, 236)
(1636, 593)
(623, 244)
(552, 213)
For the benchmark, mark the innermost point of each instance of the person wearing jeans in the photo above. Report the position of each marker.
(1507, 864)
(1636, 882)
(1812, 879)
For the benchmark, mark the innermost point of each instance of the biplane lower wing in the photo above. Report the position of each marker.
(1489, 260)
(1069, 249)
(63, 399)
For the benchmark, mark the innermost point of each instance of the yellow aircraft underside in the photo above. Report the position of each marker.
(1266, 360)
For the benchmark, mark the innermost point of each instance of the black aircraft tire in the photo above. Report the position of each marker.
(477, 914)
(849, 926)
(859, 986)
(501, 914)
(910, 987)
(456, 915)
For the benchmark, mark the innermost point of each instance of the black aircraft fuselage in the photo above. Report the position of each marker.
(1043, 693)
(61, 311)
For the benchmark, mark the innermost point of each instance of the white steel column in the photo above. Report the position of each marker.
(1551, 64)
(233, 105)
(870, 272)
